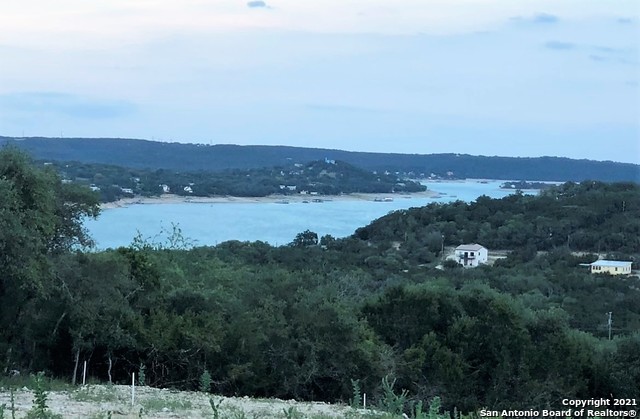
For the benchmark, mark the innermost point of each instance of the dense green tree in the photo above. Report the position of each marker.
(39, 217)
(306, 238)
(93, 302)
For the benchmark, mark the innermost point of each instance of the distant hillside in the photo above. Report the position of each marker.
(194, 157)
(315, 178)
(536, 222)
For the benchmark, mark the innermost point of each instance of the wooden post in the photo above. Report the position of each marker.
(133, 389)
(109, 370)
(364, 400)
(75, 367)
(84, 373)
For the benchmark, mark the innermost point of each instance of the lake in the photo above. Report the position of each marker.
(277, 224)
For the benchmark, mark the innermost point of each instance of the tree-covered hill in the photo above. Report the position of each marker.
(322, 177)
(590, 216)
(194, 157)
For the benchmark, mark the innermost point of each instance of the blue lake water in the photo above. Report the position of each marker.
(277, 224)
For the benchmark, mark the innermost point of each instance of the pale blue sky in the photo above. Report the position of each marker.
(492, 77)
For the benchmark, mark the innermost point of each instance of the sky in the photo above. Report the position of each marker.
(490, 77)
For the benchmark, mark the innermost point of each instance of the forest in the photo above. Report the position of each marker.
(309, 319)
(589, 216)
(321, 177)
(180, 157)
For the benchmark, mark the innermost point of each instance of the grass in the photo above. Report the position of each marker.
(29, 381)
(96, 394)
(40, 410)
(157, 404)
(292, 413)
(102, 415)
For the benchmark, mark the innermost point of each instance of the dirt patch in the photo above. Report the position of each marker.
(95, 401)
(295, 198)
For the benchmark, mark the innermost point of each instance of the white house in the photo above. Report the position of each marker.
(612, 267)
(471, 255)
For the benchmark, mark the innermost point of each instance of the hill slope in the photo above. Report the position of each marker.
(318, 177)
(193, 157)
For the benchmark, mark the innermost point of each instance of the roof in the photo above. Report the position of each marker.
(611, 263)
(472, 246)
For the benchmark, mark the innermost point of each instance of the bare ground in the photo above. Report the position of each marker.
(178, 199)
(95, 401)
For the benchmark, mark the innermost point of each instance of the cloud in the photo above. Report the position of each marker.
(628, 61)
(596, 53)
(606, 49)
(625, 56)
(545, 18)
(626, 21)
(540, 18)
(559, 45)
(323, 107)
(256, 3)
(64, 104)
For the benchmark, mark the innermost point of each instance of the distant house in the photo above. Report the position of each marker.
(165, 188)
(471, 255)
(127, 190)
(611, 267)
(188, 189)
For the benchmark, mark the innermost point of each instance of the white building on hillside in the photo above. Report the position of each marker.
(611, 267)
(471, 255)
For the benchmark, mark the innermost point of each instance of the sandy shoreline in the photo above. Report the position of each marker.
(177, 199)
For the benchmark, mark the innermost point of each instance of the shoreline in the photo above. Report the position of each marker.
(180, 199)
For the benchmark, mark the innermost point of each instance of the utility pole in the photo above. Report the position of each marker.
(609, 324)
